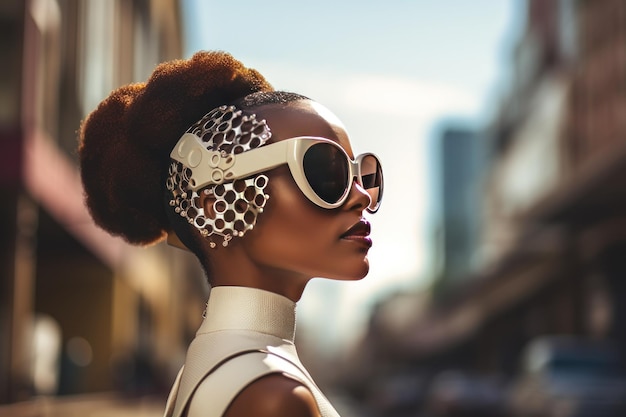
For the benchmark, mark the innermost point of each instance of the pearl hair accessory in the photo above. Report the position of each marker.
(225, 131)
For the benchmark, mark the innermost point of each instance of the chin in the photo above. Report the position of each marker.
(356, 273)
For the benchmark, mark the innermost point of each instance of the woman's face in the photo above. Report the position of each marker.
(295, 236)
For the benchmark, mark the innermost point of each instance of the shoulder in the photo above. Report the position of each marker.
(274, 395)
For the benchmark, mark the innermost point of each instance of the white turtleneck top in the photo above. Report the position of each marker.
(247, 333)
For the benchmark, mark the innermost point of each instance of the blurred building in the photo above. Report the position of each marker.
(461, 169)
(80, 311)
(553, 233)
(555, 201)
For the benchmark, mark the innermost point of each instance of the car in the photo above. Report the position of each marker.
(455, 393)
(565, 376)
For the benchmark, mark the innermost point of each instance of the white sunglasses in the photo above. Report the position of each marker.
(321, 168)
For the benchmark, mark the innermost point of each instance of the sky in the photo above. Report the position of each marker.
(393, 72)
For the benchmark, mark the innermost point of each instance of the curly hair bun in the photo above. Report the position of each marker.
(124, 144)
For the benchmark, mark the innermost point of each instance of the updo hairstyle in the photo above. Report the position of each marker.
(124, 145)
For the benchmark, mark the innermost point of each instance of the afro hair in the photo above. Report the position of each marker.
(124, 144)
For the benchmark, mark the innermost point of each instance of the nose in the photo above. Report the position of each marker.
(358, 198)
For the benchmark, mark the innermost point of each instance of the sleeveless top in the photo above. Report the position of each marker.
(247, 333)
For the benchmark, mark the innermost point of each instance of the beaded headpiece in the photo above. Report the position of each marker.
(226, 131)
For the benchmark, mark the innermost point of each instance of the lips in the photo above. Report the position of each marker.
(359, 230)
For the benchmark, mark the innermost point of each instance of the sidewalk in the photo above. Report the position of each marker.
(100, 405)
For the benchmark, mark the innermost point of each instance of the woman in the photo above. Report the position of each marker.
(263, 187)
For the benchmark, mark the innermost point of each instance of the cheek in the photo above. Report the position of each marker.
(293, 234)
(290, 220)
(287, 207)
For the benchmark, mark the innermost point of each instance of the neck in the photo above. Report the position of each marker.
(229, 268)
(289, 287)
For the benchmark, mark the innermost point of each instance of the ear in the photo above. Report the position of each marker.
(207, 202)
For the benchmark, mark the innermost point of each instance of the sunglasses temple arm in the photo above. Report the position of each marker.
(192, 154)
(260, 159)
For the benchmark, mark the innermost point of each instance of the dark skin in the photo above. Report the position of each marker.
(274, 395)
(293, 241)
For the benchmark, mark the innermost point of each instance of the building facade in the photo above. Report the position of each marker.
(553, 232)
(106, 313)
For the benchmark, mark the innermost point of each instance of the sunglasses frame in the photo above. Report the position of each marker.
(210, 167)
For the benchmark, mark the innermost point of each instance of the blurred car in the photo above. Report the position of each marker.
(569, 377)
(455, 393)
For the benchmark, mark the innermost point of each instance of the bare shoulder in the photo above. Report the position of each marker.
(274, 395)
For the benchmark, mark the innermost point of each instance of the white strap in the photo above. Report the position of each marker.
(208, 351)
(171, 398)
(216, 392)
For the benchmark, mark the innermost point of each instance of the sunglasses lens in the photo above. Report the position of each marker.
(326, 170)
(372, 180)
